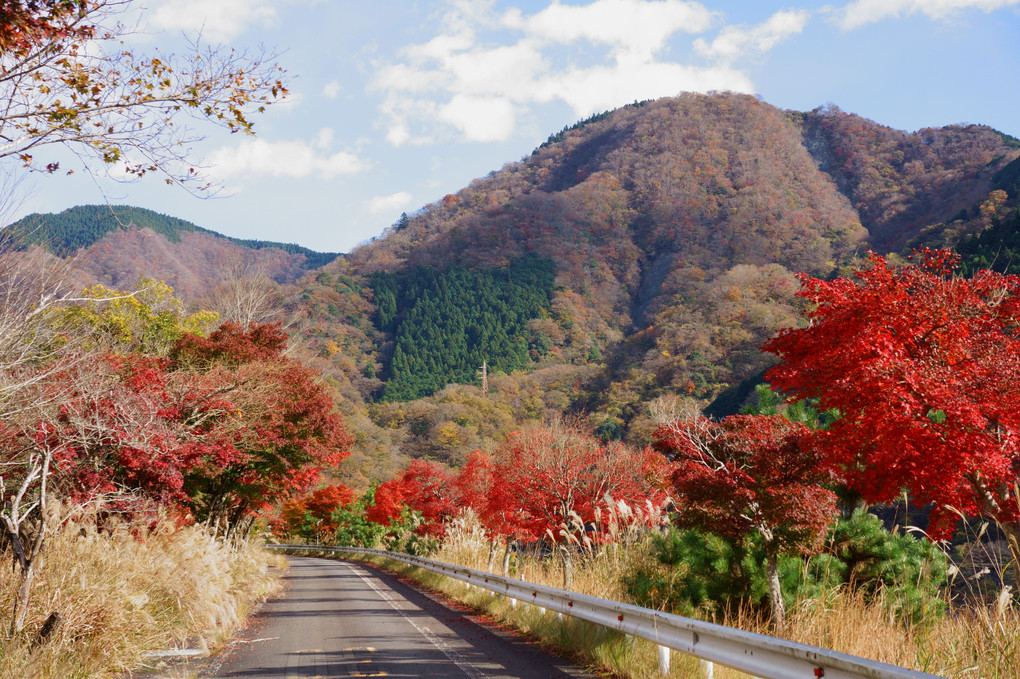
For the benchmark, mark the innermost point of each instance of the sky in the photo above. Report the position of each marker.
(395, 103)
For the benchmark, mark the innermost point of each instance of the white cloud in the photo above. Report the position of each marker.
(594, 90)
(391, 203)
(399, 111)
(734, 42)
(219, 20)
(863, 12)
(479, 118)
(324, 139)
(331, 90)
(485, 70)
(281, 159)
(631, 26)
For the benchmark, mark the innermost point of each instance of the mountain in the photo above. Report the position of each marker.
(907, 185)
(674, 230)
(115, 245)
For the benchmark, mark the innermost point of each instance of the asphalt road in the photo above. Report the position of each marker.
(345, 619)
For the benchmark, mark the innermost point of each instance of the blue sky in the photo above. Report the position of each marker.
(395, 103)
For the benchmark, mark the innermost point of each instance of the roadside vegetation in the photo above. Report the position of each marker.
(112, 590)
(138, 445)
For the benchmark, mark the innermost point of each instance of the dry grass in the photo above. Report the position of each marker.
(122, 593)
(971, 641)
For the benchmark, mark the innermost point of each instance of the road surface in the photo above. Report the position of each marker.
(345, 619)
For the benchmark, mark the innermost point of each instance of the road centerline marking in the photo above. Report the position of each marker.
(449, 651)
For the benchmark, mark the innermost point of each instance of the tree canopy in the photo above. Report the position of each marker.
(446, 324)
(67, 79)
(751, 474)
(924, 367)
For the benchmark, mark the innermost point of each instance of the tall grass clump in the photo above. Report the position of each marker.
(123, 588)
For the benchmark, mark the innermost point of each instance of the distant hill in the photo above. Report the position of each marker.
(114, 245)
(83, 225)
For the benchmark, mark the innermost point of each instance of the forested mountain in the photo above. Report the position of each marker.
(83, 225)
(115, 244)
(636, 259)
(904, 183)
(675, 229)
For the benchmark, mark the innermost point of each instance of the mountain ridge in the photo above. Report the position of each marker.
(114, 245)
(80, 226)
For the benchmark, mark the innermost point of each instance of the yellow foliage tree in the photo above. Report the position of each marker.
(148, 320)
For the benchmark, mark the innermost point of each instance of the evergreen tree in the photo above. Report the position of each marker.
(447, 323)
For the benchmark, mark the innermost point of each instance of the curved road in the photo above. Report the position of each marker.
(345, 619)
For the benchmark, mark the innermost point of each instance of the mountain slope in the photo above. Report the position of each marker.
(902, 182)
(675, 228)
(115, 245)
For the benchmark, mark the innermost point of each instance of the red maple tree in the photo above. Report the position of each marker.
(322, 502)
(751, 474)
(387, 503)
(429, 490)
(484, 486)
(553, 483)
(924, 367)
(424, 487)
(263, 422)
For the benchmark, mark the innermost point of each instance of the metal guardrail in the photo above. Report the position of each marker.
(755, 654)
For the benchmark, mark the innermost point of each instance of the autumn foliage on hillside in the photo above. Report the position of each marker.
(901, 182)
(676, 229)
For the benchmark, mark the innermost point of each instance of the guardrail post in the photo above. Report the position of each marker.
(664, 657)
(707, 669)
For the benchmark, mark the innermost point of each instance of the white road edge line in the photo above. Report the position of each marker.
(447, 650)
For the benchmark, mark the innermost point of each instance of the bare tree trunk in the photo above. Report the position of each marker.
(775, 588)
(21, 599)
(492, 555)
(27, 557)
(568, 566)
(506, 557)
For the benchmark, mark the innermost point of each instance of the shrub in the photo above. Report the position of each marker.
(353, 529)
(694, 573)
(862, 555)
